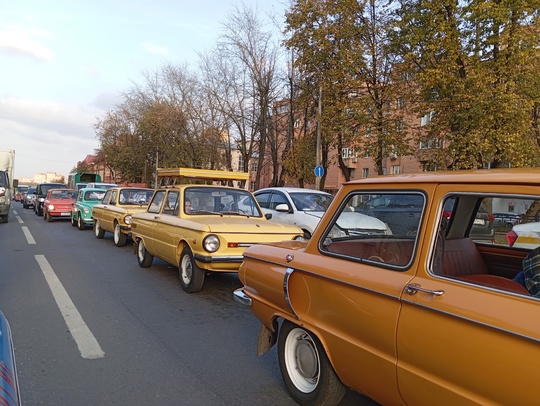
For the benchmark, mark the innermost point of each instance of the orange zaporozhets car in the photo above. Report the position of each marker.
(116, 209)
(425, 317)
(58, 203)
(202, 228)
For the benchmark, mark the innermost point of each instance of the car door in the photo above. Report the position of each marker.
(146, 223)
(464, 343)
(167, 232)
(99, 212)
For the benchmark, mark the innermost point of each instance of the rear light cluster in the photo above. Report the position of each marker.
(511, 238)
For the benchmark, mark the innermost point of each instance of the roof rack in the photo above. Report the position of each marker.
(172, 176)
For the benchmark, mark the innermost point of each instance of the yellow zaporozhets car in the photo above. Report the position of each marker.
(202, 228)
(434, 315)
(116, 209)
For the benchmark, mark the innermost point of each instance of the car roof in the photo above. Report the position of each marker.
(499, 176)
(292, 190)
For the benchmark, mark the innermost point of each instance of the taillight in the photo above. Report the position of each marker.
(511, 238)
(491, 217)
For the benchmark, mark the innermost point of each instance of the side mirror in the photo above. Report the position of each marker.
(268, 216)
(283, 207)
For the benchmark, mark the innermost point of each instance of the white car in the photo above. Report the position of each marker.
(525, 235)
(305, 207)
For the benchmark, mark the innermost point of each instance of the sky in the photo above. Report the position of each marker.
(65, 63)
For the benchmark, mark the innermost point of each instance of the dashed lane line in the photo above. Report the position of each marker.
(87, 343)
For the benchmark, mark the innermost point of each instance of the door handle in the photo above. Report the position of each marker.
(413, 288)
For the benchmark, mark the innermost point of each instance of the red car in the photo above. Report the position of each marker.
(58, 203)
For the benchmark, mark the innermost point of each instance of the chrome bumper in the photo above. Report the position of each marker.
(240, 297)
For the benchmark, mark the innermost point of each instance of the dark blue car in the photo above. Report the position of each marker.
(9, 385)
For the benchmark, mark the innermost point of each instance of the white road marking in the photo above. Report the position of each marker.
(87, 343)
(19, 219)
(14, 211)
(28, 236)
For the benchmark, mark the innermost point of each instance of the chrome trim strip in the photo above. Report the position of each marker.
(209, 259)
(286, 278)
(240, 296)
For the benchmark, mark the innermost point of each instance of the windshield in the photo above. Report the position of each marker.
(210, 200)
(311, 201)
(94, 195)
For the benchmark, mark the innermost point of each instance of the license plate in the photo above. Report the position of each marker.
(480, 222)
(65, 213)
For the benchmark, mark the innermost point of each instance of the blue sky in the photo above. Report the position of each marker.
(65, 63)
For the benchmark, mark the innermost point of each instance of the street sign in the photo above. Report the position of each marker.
(319, 171)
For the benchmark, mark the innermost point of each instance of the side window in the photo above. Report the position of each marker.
(263, 199)
(155, 205)
(490, 242)
(106, 198)
(377, 233)
(171, 206)
(277, 199)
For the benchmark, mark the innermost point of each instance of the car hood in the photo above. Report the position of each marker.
(360, 220)
(535, 226)
(225, 224)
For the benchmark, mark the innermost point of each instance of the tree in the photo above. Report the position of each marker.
(473, 65)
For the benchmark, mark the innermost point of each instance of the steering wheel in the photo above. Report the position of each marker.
(376, 258)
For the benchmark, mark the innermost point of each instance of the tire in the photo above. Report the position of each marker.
(143, 256)
(5, 218)
(98, 231)
(80, 223)
(119, 237)
(25, 206)
(305, 368)
(73, 222)
(191, 276)
(47, 217)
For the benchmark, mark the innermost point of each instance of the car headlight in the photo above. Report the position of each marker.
(128, 219)
(86, 210)
(211, 243)
(51, 206)
(41, 199)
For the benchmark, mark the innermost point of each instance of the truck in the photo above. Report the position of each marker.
(7, 183)
(78, 180)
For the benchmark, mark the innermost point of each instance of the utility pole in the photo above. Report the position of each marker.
(318, 151)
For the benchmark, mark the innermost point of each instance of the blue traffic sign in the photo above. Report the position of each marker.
(319, 171)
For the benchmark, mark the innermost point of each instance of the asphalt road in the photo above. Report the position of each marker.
(91, 327)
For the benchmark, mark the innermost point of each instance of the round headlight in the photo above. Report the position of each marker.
(211, 243)
(51, 206)
(127, 219)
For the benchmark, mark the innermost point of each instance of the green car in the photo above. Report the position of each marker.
(81, 213)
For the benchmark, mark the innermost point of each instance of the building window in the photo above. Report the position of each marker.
(297, 123)
(252, 185)
(426, 119)
(284, 108)
(254, 166)
(365, 172)
(400, 103)
(395, 169)
(241, 163)
(429, 144)
(430, 167)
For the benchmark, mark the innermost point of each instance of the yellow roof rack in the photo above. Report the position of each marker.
(202, 174)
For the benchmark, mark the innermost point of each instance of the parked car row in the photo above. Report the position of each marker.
(394, 272)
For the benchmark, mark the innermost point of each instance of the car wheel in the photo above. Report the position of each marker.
(5, 218)
(98, 231)
(73, 222)
(305, 368)
(47, 217)
(143, 256)
(80, 223)
(25, 206)
(119, 236)
(191, 276)
(307, 234)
